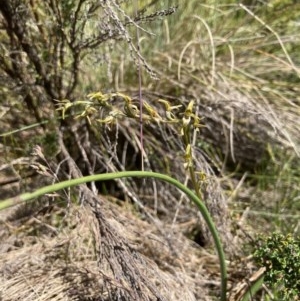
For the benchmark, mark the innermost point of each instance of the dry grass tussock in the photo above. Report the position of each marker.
(41, 260)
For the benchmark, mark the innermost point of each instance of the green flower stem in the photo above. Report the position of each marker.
(186, 140)
(139, 174)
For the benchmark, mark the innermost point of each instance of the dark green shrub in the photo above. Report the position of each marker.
(281, 256)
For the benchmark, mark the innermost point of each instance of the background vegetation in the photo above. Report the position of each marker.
(135, 239)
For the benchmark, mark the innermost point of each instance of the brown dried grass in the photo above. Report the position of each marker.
(61, 263)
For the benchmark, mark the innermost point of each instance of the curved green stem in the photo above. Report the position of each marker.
(125, 174)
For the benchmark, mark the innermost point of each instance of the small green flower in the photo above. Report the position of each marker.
(151, 112)
(63, 106)
(169, 114)
(102, 99)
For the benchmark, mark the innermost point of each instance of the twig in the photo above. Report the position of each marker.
(140, 89)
